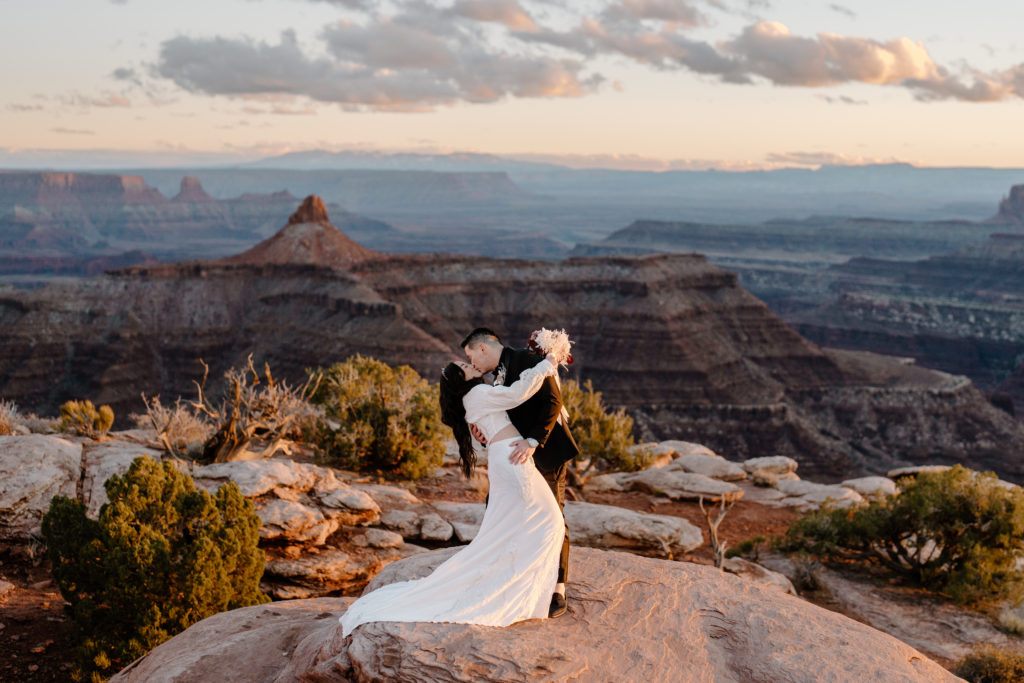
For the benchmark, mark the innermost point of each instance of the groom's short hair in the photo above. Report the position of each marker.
(481, 335)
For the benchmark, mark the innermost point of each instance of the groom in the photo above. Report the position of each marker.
(541, 420)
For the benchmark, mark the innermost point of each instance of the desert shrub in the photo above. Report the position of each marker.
(1011, 622)
(254, 407)
(605, 438)
(749, 548)
(991, 665)
(8, 417)
(85, 419)
(161, 556)
(957, 532)
(182, 428)
(380, 419)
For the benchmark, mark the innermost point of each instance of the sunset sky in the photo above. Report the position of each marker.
(729, 84)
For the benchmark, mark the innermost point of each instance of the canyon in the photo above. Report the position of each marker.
(672, 338)
(945, 293)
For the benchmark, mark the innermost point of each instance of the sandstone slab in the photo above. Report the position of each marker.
(676, 485)
(872, 487)
(34, 469)
(708, 626)
(102, 460)
(608, 526)
(465, 518)
(688, 448)
(248, 644)
(257, 477)
(294, 522)
(719, 627)
(381, 538)
(389, 497)
(709, 466)
(777, 464)
(936, 627)
(755, 572)
(802, 493)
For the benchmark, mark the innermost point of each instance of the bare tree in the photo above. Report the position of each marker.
(725, 503)
(251, 408)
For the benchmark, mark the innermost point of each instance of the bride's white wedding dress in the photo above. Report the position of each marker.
(507, 573)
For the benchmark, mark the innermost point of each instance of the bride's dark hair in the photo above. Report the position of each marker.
(454, 386)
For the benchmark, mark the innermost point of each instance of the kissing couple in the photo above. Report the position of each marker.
(516, 566)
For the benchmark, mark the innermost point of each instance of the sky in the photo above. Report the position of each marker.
(651, 84)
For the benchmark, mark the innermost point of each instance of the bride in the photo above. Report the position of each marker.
(508, 572)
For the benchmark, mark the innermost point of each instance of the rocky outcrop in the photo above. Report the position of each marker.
(308, 238)
(71, 223)
(718, 627)
(34, 469)
(670, 337)
(1011, 208)
(192, 191)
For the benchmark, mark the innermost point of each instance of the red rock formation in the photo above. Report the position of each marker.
(671, 337)
(192, 191)
(307, 239)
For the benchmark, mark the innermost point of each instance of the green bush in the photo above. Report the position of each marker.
(957, 532)
(161, 557)
(606, 438)
(380, 419)
(991, 665)
(85, 419)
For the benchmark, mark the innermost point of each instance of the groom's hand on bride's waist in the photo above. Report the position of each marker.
(522, 450)
(478, 435)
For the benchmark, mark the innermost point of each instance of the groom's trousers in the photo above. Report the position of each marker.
(556, 480)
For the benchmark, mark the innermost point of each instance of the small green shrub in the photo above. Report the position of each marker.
(85, 419)
(161, 557)
(957, 532)
(749, 548)
(379, 419)
(606, 438)
(992, 665)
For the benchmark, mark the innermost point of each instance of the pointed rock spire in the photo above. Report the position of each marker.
(312, 210)
(192, 191)
(307, 238)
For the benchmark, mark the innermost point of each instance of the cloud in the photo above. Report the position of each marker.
(73, 131)
(418, 56)
(768, 49)
(24, 107)
(843, 10)
(842, 99)
(383, 64)
(826, 159)
(106, 100)
(506, 12)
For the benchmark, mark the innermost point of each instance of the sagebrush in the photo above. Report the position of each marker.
(992, 665)
(85, 419)
(161, 557)
(958, 532)
(379, 419)
(605, 437)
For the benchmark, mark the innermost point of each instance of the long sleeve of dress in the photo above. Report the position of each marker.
(488, 399)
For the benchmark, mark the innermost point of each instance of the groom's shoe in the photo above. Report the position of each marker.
(557, 608)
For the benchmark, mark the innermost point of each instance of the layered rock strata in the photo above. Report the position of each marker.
(670, 337)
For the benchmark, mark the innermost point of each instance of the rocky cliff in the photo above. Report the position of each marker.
(671, 337)
(69, 220)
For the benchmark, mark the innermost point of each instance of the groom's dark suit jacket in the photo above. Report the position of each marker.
(537, 417)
